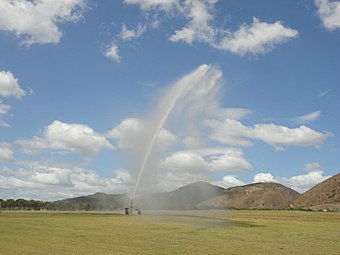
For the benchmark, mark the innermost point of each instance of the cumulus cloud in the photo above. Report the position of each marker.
(125, 133)
(112, 52)
(230, 132)
(131, 130)
(234, 133)
(307, 117)
(278, 136)
(185, 167)
(206, 160)
(198, 28)
(329, 13)
(37, 21)
(6, 153)
(300, 183)
(264, 177)
(259, 37)
(58, 181)
(67, 137)
(9, 85)
(229, 181)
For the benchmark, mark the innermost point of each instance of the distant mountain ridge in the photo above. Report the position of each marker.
(203, 195)
(254, 196)
(186, 197)
(95, 202)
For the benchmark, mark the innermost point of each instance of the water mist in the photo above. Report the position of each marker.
(190, 90)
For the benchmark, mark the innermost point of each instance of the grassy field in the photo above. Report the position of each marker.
(176, 232)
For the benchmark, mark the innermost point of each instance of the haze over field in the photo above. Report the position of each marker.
(83, 82)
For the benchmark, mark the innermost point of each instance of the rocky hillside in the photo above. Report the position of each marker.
(254, 196)
(323, 196)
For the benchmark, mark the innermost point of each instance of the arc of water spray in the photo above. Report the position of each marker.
(174, 95)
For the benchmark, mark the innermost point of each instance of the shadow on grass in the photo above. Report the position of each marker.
(204, 221)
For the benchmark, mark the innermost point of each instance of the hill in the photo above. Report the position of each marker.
(95, 202)
(323, 196)
(184, 198)
(254, 196)
(203, 195)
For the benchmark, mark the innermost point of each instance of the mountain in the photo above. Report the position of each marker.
(95, 202)
(184, 198)
(203, 195)
(323, 196)
(254, 196)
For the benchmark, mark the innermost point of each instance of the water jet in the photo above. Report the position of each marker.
(194, 83)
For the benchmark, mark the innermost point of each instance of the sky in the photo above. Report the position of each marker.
(248, 91)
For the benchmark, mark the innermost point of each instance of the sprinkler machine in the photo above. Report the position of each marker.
(129, 210)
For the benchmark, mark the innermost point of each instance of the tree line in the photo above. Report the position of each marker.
(21, 204)
(95, 202)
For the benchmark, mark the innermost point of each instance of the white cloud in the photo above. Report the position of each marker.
(313, 167)
(233, 113)
(4, 109)
(234, 133)
(9, 85)
(206, 160)
(259, 37)
(229, 181)
(186, 161)
(131, 131)
(165, 5)
(264, 177)
(125, 133)
(307, 117)
(112, 52)
(300, 183)
(4, 124)
(192, 142)
(36, 21)
(67, 137)
(6, 153)
(278, 136)
(185, 167)
(129, 34)
(59, 182)
(198, 28)
(230, 132)
(329, 13)
(52, 176)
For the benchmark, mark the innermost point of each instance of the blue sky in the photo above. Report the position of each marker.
(83, 82)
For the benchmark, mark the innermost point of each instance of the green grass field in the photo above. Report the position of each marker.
(176, 232)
